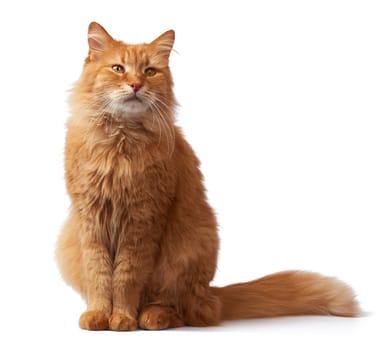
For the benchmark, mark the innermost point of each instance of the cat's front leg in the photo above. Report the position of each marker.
(97, 271)
(133, 264)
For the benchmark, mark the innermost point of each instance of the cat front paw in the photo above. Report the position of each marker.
(121, 322)
(94, 321)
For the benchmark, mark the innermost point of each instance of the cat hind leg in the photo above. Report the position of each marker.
(201, 309)
(68, 256)
(156, 317)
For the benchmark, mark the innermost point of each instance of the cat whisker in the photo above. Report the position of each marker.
(154, 118)
(165, 121)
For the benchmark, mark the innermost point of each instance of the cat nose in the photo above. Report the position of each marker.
(135, 86)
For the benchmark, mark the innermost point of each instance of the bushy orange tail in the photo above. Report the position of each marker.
(287, 293)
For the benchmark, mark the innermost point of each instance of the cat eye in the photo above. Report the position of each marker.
(118, 68)
(150, 72)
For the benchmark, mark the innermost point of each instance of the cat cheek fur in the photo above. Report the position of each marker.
(140, 244)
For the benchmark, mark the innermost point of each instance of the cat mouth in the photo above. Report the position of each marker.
(132, 98)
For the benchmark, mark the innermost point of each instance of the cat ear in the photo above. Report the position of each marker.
(98, 39)
(164, 43)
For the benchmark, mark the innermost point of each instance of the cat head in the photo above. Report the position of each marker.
(126, 82)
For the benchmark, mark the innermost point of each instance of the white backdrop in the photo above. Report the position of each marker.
(284, 103)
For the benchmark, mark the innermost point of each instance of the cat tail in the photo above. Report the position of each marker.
(287, 293)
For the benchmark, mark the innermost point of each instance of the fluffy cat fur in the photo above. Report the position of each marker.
(140, 243)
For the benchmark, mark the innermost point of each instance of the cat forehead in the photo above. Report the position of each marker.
(139, 55)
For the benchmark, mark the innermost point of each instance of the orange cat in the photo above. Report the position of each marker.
(140, 244)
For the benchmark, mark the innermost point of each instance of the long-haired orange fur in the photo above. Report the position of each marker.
(140, 244)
